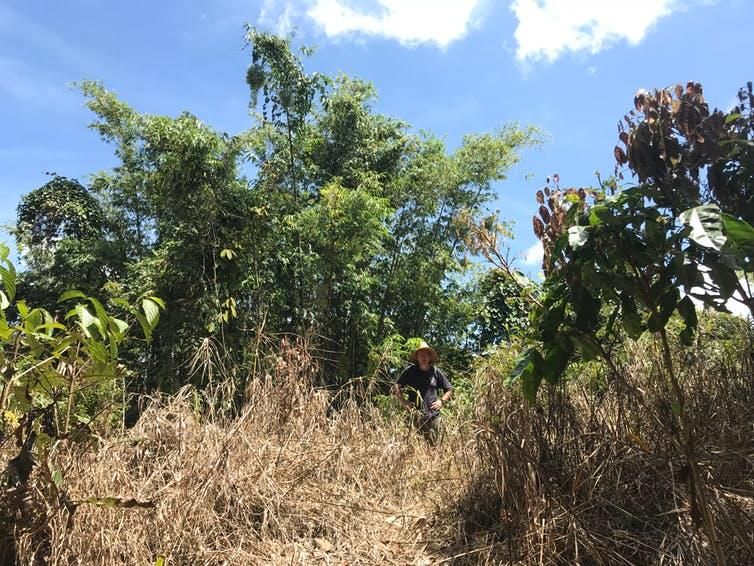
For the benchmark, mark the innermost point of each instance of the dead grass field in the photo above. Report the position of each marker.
(302, 478)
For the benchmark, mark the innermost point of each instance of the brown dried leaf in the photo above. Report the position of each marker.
(620, 155)
(545, 214)
(540, 197)
(538, 226)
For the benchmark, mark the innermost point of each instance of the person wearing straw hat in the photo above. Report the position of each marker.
(417, 390)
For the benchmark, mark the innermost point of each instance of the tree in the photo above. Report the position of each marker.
(60, 228)
(633, 257)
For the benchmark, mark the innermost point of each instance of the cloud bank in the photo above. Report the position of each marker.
(548, 29)
(410, 22)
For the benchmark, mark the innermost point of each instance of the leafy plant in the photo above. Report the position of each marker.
(48, 365)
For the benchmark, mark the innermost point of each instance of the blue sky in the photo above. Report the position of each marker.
(452, 67)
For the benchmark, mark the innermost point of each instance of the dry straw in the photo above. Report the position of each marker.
(586, 477)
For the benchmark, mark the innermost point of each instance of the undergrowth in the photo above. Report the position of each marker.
(587, 475)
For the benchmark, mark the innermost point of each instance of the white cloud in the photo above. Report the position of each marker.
(279, 20)
(533, 255)
(549, 28)
(411, 22)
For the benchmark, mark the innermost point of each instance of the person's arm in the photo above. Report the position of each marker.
(447, 387)
(398, 392)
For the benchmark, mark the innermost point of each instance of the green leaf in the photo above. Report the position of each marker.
(577, 236)
(666, 306)
(118, 326)
(86, 320)
(551, 319)
(687, 310)
(587, 309)
(725, 278)
(527, 370)
(631, 319)
(57, 478)
(72, 294)
(587, 347)
(146, 328)
(600, 214)
(151, 312)
(4, 302)
(555, 363)
(740, 232)
(706, 226)
(8, 276)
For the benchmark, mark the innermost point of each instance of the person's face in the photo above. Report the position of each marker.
(422, 357)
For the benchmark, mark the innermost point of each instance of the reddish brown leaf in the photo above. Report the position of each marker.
(545, 214)
(540, 197)
(538, 226)
(620, 155)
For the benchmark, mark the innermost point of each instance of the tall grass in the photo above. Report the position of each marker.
(586, 476)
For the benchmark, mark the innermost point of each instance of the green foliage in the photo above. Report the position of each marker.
(632, 257)
(349, 228)
(504, 311)
(49, 366)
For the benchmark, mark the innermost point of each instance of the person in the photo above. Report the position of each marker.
(417, 390)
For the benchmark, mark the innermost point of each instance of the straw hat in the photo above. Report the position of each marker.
(424, 346)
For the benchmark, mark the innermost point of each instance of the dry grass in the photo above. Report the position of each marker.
(283, 483)
(592, 477)
(586, 477)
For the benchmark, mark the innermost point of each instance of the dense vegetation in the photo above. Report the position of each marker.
(216, 320)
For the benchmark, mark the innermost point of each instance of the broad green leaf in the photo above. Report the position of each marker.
(23, 309)
(667, 304)
(146, 328)
(588, 349)
(687, 310)
(72, 294)
(57, 478)
(631, 318)
(87, 320)
(101, 314)
(725, 278)
(98, 352)
(706, 226)
(4, 302)
(587, 309)
(8, 276)
(151, 312)
(527, 370)
(600, 214)
(119, 326)
(740, 232)
(555, 362)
